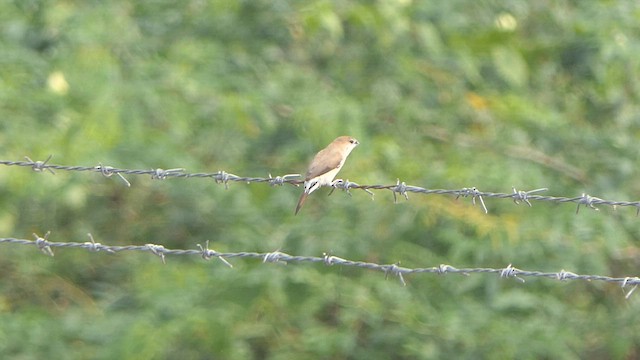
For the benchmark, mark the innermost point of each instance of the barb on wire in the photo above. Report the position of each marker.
(400, 188)
(281, 180)
(162, 174)
(43, 243)
(223, 177)
(474, 193)
(274, 257)
(624, 284)
(346, 185)
(524, 195)
(510, 271)
(96, 246)
(394, 269)
(587, 201)
(40, 166)
(158, 250)
(108, 171)
(277, 256)
(208, 254)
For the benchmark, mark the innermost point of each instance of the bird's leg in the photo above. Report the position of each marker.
(334, 185)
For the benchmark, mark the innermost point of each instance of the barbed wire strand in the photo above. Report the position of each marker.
(45, 245)
(399, 188)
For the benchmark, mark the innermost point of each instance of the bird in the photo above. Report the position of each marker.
(325, 166)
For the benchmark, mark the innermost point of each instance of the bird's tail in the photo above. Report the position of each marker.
(301, 201)
(309, 187)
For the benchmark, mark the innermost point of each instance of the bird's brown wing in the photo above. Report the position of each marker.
(324, 161)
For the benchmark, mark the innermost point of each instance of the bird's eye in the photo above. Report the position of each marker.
(352, 141)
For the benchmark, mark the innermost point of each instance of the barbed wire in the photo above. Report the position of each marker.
(46, 246)
(399, 188)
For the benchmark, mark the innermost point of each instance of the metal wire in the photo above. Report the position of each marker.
(46, 246)
(399, 188)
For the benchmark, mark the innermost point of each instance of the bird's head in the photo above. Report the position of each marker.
(347, 142)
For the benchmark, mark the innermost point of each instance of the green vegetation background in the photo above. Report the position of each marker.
(441, 94)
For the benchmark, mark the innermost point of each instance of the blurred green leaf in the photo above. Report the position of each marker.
(441, 95)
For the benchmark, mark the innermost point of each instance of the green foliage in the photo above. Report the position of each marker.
(441, 94)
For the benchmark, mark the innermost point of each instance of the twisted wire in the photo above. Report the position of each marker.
(46, 246)
(399, 188)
